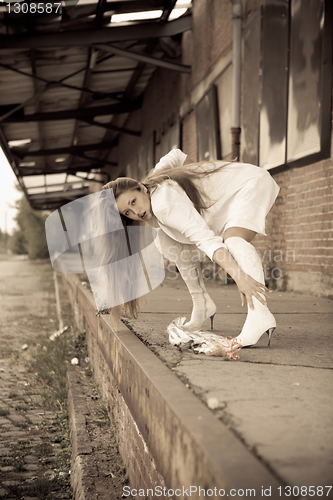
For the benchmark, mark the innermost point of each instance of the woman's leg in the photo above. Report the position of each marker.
(186, 259)
(241, 232)
(259, 320)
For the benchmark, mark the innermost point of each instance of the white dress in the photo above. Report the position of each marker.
(242, 195)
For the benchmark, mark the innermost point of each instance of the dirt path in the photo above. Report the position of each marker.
(32, 464)
(34, 434)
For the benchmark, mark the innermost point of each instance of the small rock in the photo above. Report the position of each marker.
(63, 474)
(24, 347)
(59, 332)
(87, 360)
(213, 403)
(75, 361)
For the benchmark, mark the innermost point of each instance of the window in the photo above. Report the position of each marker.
(287, 83)
(224, 92)
(207, 119)
(171, 138)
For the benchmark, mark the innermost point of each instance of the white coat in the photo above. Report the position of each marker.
(242, 195)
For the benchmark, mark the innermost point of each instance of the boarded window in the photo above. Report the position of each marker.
(287, 83)
(170, 139)
(224, 93)
(250, 92)
(208, 136)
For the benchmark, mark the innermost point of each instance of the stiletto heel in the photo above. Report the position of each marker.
(270, 333)
(211, 321)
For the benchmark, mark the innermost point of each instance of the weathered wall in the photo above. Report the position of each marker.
(299, 227)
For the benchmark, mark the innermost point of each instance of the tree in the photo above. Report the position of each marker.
(30, 236)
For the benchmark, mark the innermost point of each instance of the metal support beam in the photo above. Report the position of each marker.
(106, 35)
(109, 126)
(99, 161)
(101, 6)
(28, 172)
(182, 68)
(167, 10)
(66, 195)
(80, 114)
(66, 150)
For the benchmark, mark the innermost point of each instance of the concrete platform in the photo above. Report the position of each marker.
(256, 427)
(277, 400)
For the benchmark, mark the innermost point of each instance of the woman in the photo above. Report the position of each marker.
(218, 207)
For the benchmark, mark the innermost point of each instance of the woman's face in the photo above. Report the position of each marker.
(135, 204)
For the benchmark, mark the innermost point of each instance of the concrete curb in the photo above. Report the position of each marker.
(189, 445)
(83, 474)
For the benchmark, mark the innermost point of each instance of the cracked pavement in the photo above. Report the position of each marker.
(277, 400)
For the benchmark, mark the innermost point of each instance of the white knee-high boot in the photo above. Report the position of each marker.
(259, 320)
(185, 256)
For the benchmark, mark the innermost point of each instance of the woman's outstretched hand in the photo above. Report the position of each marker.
(249, 288)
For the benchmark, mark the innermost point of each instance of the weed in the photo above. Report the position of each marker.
(14, 489)
(19, 464)
(12, 395)
(22, 407)
(63, 437)
(103, 410)
(43, 449)
(5, 462)
(88, 371)
(23, 425)
(125, 479)
(20, 449)
(48, 364)
(95, 388)
(4, 412)
(42, 486)
(80, 340)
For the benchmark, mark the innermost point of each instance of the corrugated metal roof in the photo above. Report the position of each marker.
(59, 77)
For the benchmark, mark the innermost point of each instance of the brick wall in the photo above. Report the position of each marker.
(299, 228)
(140, 465)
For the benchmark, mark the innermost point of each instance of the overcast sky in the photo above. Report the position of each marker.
(8, 194)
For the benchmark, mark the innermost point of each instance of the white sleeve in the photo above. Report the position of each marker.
(176, 211)
(175, 158)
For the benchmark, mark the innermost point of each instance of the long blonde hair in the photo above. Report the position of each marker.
(185, 176)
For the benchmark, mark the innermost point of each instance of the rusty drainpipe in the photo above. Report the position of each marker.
(236, 78)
